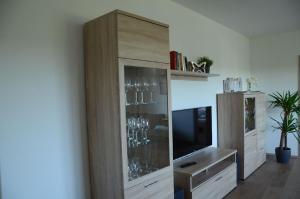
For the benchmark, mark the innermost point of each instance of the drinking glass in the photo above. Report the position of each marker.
(152, 86)
(137, 86)
(128, 87)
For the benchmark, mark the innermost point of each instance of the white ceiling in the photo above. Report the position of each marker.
(250, 17)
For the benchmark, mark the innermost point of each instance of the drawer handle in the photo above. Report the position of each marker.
(219, 178)
(148, 185)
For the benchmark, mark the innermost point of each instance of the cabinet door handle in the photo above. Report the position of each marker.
(219, 178)
(148, 185)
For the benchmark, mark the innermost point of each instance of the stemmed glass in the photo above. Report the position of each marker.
(134, 169)
(145, 87)
(137, 86)
(152, 86)
(145, 128)
(128, 87)
(129, 134)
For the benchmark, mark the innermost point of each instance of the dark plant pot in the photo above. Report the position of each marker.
(207, 69)
(283, 155)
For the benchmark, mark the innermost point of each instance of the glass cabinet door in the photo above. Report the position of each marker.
(249, 114)
(147, 126)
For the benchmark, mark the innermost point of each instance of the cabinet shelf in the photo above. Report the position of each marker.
(189, 75)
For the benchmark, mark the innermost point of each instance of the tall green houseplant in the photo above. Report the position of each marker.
(288, 123)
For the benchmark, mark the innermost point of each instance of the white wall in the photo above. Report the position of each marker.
(43, 151)
(274, 61)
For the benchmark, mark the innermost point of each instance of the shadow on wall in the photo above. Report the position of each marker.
(76, 96)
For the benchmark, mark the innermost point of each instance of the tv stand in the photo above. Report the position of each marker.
(213, 176)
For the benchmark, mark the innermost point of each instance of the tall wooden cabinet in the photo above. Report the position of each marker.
(128, 107)
(241, 126)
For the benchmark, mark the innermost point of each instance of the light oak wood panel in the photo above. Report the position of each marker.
(205, 159)
(215, 168)
(189, 75)
(142, 18)
(142, 40)
(261, 112)
(103, 113)
(161, 187)
(105, 104)
(230, 120)
(231, 132)
(218, 186)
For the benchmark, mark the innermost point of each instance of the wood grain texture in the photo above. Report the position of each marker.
(205, 159)
(142, 18)
(218, 186)
(103, 113)
(188, 75)
(158, 187)
(231, 132)
(213, 176)
(230, 120)
(271, 180)
(142, 40)
(105, 104)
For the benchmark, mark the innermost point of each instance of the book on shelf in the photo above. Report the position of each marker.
(178, 61)
(173, 60)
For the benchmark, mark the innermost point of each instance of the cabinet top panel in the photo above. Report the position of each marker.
(141, 18)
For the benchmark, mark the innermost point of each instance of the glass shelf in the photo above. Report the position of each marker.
(147, 120)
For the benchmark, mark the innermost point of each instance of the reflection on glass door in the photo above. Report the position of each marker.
(147, 129)
(249, 114)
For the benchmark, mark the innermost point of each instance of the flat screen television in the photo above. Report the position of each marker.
(191, 130)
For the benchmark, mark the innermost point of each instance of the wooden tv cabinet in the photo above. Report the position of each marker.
(214, 175)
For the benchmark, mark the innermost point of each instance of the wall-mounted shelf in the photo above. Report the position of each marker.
(188, 75)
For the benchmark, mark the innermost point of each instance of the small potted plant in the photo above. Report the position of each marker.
(208, 63)
(288, 123)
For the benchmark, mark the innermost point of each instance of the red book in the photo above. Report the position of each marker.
(173, 57)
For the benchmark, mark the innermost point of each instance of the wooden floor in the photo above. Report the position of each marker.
(271, 181)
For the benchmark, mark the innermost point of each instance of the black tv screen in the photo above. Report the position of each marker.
(191, 130)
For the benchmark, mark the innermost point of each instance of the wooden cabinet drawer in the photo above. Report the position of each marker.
(159, 187)
(143, 40)
(218, 186)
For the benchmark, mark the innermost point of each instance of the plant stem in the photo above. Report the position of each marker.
(281, 140)
(285, 140)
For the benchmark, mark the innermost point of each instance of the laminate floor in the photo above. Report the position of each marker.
(270, 181)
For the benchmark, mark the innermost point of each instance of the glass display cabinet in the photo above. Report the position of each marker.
(242, 126)
(145, 124)
(127, 77)
(147, 128)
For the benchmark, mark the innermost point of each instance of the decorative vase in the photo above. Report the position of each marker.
(283, 154)
(207, 69)
(249, 86)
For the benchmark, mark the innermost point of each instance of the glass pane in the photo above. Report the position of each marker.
(249, 114)
(147, 127)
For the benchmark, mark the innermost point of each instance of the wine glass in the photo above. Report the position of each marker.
(137, 86)
(128, 87)
(129, 129)
(145, 87)
(152, 86)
